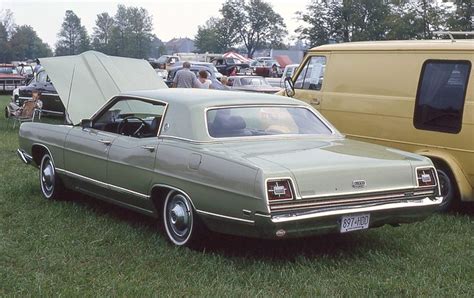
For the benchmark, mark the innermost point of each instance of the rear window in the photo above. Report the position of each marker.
(263, 121)
(441, 95)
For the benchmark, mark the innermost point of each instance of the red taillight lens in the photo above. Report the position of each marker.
(426, 177)
(279, 190)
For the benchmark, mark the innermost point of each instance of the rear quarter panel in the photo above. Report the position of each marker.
(214, 183)
(50, 136)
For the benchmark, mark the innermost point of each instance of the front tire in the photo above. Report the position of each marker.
(179, 219)
(51, 187)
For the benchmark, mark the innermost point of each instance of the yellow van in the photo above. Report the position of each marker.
(412, 95)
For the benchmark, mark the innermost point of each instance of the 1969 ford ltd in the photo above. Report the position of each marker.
(244, 164)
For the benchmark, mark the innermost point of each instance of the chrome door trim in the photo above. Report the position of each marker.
(225, 217)
(103, 184)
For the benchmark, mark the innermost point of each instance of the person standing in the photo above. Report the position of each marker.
(203, 80)
(185, 78)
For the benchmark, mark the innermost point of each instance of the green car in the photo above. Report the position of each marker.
(245, 164)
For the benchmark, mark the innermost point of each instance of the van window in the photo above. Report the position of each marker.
(312, 75)
(441, 94)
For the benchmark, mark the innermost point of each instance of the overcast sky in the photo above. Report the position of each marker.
(171, 18)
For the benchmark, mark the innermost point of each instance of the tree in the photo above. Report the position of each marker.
(255, 22)
(4, 45)
(25, 44)
(102, 34)
(7, 20)
(461, 20)
(131, 35)
(72, 38)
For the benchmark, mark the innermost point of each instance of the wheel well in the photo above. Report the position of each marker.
(37, 152)
(440, 163)
(158, 196)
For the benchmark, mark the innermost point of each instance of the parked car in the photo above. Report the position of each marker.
(229, 66)
(287, 73)
(428, 109)
(251, 84)
(166, 61)
(239, 163)
(10, 78)
(26, 70)
(51, 102)
(269, 68)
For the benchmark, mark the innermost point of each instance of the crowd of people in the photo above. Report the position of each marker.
(185, 78)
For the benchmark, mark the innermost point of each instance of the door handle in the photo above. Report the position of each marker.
(315, 102)
(149, 148)
(105, 142)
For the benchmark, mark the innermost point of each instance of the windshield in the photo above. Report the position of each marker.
(264, 120)
(7, 70)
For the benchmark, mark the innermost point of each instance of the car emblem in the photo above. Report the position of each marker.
(359, 183)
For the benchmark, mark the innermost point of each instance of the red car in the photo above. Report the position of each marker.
(9, 78)
(269, 68)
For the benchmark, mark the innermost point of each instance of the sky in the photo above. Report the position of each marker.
(171, 18)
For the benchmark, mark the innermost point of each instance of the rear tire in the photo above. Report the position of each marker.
(448, 188)
(51, 186)
(182, 225)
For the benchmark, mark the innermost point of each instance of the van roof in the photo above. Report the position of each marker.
(401, 45)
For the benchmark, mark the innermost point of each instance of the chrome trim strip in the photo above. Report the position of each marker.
(329, 195)
(426, 202)
(225, 216)
(103, 184)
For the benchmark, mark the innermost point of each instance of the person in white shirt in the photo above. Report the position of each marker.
(203, 80)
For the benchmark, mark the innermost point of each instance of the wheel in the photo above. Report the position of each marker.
(448, 189)
(179, 220)
(51, 186)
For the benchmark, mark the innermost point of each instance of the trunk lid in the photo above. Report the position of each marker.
(332, 167)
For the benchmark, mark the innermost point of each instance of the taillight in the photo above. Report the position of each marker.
(279, 190)
(426, 177)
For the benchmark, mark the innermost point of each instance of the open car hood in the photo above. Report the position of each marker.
(85, 82)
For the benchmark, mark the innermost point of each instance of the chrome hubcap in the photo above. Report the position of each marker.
(47, 177)
(179, 215)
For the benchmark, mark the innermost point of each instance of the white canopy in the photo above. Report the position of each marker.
(86, 81)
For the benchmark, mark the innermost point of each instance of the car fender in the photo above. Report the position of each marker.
(464, 187)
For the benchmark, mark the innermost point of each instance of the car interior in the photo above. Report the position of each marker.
(132, 118)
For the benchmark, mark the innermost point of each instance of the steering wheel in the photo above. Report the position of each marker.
(122, 125)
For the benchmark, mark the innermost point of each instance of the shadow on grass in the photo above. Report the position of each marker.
(340, 246)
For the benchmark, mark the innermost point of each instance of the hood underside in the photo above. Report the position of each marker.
(85, 82)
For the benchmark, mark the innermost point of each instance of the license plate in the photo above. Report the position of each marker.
(354, 222)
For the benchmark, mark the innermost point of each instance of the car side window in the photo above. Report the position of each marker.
(441, 94)
(132, 117)
(312, 75)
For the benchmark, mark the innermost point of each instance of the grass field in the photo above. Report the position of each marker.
(79, 246)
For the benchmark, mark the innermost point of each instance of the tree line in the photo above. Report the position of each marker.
(255, 25)
(246, 25)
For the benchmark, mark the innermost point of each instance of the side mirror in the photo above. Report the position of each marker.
(289, 87)
(86, 123)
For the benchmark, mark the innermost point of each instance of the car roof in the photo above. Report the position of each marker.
(400, 45)
(185, 114)
(192, 97)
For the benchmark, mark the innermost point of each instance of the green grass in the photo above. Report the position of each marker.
(80, 246)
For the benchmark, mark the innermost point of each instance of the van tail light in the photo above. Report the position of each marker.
(278, 190)
(426, 177)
